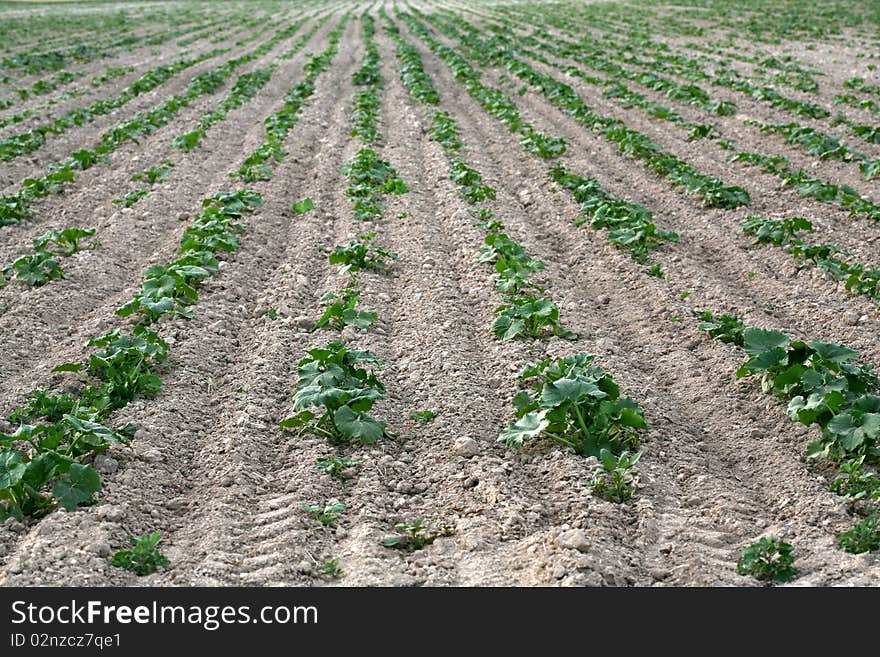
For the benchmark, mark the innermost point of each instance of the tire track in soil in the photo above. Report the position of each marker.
(178, 473)
(713, 480)
(63, 315)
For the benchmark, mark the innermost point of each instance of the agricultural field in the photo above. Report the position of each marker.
(453, 293)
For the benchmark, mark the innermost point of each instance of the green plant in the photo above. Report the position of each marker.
(36, 269)
(727, 328)
(144, 558)
(341, 382)
(341, 311)
(856, 484)
(615, 481)
(66, 241)
(774, 231)
(335, 466)
(303, 206)
(361, 253)
(155, 174)
(768, 559)
(529, 317)
(863, 537)
(414, 535)
(823, 385)
(369, 178)
(576, 404)
(326, 514)
(331, 569)
(425, 417)
(131, 197)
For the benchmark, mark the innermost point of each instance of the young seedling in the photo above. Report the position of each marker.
(426, 416)
(326, 514)
(529, 317)
(336, 466)
(361, 253)
(616, 480)
(144, 558)
(330, 569)
(414, 535)
(155, 174)
(774, 231)
(858, 486)
(66, 241)
(131, 198)
(727, 328)
(303, 206)
(768, 560)
(341, 311)
(863, 537)
(36, 269)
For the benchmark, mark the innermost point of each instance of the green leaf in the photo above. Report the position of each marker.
(561, 391)
(11, 468)
(299, 420)
(303, 206)
(833, 352)
(757, 340)
(68, 367)
(77, 486)
(358, 426)
(531, 425)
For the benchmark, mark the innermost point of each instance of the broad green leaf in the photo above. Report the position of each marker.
(833, 352)
(11, 468)
(68, 367)
(757, 340)
(77, 486)
(529, 426)
(358, 426)
(303, 206)
(568, 390)
(294, 421)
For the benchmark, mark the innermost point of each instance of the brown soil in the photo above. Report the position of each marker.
(211, 471)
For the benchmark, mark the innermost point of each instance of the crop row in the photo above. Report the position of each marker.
(568, 400)
(14, 208)
(630, 142)
(628, 53)
(46, 460)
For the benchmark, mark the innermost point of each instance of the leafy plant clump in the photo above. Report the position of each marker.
(340, 383)
(326, 514)
(774, 231)
(369, 178)
(768, 560)
(361, 253)
(859, 487)
(341, 311)
(426, 416)
(144, 558)
(415, 535)
(615, 480)
(530, 317)
(863, 537)
(727, 328)
(576, 404)
(823, 386)
(330, 569)
(336, 466)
